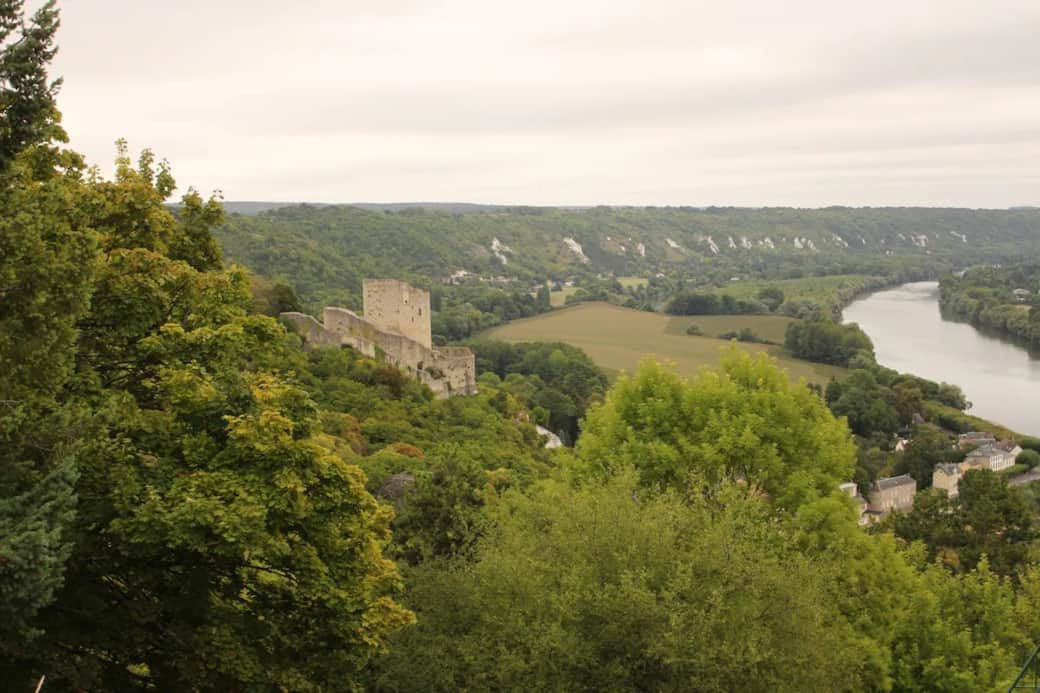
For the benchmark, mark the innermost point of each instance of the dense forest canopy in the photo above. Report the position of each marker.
(325, 251)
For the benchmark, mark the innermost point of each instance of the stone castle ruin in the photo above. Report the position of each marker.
(395, 327)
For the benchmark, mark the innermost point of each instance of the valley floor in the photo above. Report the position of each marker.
(618, 338)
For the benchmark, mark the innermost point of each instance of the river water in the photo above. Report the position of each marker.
(1000, 378)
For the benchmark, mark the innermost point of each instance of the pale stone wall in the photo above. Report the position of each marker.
(312, 331)
(394, 306)
(447, 371)
(459, 367)
(947, 482)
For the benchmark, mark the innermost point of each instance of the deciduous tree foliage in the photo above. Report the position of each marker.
(988, 518)
(928, 447)
(221, 545)
(216, 543)
(608, 588)
(826, 341)
(745, 421)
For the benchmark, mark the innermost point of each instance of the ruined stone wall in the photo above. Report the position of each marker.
(347, 322)
(394, 306)
(459, 367)
(312, 331)
(447, 371)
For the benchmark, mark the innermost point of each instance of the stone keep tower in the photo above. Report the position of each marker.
(394, 306)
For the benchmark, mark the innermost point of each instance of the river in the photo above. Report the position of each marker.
(1000, 378)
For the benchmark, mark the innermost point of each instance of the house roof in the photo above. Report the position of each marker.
(1006, 445)
(948, 469)
(987, 450)
(894, 482)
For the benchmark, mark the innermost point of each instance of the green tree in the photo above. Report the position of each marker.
(443, 516)
(864, 403)
(772, 296)
(218, 543)
(825, 341)
(927, 448)
(909, 400)
(1028, 458)
(544, 298)
(746, 421)
(28, 115)
(48, 255)
(988, 518)
(607, 588)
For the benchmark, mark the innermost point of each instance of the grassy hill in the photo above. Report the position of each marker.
(325, 251)
(618, 338)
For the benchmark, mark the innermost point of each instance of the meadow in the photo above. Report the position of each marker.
(633, 282)
(768, 327)
(618, 338)
(559, 298)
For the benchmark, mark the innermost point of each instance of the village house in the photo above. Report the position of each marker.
(974, 439)
(1022, 295)
(1012, 448)
(947, 477)
(853, 492)
(995, 457)
(892, 494)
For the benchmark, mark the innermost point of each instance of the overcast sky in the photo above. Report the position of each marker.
(763, 102)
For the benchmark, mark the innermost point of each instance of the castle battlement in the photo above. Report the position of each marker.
(396, 327)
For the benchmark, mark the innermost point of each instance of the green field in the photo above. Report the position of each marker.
(559, 298)
(632, 282)
(618, 338)
(831, 292)
(769, 327)
(811, 288)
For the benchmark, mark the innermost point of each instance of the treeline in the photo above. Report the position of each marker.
(324, 252)
(824, 341)
(461, 312)
(706, 303)
(556, 381)
(1003, 299)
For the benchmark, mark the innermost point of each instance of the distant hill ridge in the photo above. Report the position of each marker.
(325, 250)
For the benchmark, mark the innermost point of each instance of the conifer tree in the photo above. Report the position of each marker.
(47, 255)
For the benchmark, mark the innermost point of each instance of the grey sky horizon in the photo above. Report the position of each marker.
(804, 103)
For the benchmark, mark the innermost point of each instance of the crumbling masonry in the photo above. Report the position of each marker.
(395, 327)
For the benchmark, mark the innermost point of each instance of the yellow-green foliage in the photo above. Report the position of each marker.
(618, 338)
(744, 421)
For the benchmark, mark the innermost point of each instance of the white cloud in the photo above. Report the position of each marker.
(804, 103)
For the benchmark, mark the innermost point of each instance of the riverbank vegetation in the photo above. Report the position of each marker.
(1003, 299)
(824, 341)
